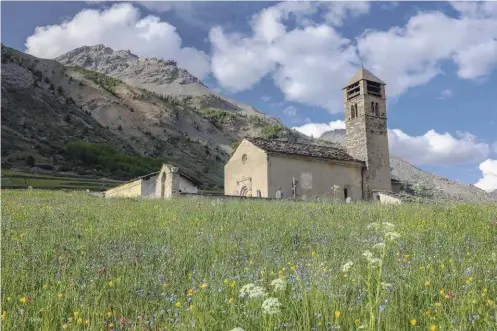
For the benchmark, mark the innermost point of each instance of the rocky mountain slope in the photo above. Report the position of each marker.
(410, 175)
(56, 103)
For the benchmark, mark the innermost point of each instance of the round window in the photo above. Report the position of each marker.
(244, 158)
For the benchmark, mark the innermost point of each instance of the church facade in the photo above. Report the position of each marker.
(270, 168)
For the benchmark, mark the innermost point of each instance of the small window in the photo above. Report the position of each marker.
(377, 109)
(244, 158)
(345, 193)
(258, 193)
(353, 111)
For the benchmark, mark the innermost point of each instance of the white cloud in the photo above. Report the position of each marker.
(432, 148)
(488, 182)
(437, 148)
(317, 129)
(494, 147)
(338, 11)
(445, 94)
(310, 61)
(266, 98)
(290, 111)
(119, 27)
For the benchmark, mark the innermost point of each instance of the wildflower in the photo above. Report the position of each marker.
(70, 319)
(76, 314)
(368, 255)
(337, 314)
(278, 284)
(375, 262)
(60, 295)
(4, 315)
(441, 292)
(413, 321)
(388, 226)
(314, 254)
(204, 286)
(251, 291)
(427, 283)
(379, 246)
(23, 300)
(373, 226)
(433, 327)
(111, 284)
(111, 325)
(45, 286)
(386, 285)
(469, 280)
(392, 235)
(87, 322)
(65, 326)
(9, 299)
(346, 267)
(109, 314)
(231, 300)
(237, 329)
(80, 320)
(271, 306)
(190, 292)
(177, 304)
(357, 322)
(438, 304)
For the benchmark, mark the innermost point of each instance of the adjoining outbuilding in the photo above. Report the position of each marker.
(165, 183)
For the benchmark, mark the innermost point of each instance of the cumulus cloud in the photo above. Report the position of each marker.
(488, 182)
(317, 129)
(445, 94)
(310, 61)
(290, 111)
(119, 27)
(432, 148)
(437, 148)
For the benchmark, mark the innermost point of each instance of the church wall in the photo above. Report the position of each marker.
(129, 190)
(148, 186)
(246, 176)
(315, 177)
(186, 186)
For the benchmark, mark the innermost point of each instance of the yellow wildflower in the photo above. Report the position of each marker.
(60, 295)
(433, 327)
(87, 322)
(225, 281)
(231, 300)
(111, 325)
(337, 314)
(177, 304)
(357, 323)
(65, 326)
(233, 284)
(70, 319)
(427, 283)
(314, 254)
(80, 320)
(23, 300)
(111, 284)
(490, 302)
(413, 321)
(204, 286)
(45, 286)
(190, 292)
(76, 314)
(469, 280)
(4, 315)
(441, 292)
(438, 304)
(109, 314)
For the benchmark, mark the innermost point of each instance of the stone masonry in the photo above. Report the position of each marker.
(366, 130)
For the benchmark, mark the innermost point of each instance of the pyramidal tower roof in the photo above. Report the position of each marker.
(364, 74)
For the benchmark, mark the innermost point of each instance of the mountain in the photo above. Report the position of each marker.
(410, 175)
(163, 113)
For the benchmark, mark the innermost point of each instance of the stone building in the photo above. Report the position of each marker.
(264, 168)
(165, 183)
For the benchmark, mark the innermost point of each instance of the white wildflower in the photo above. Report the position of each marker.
(386, 285)
(279, 284)
(237, 329)
(373, 226)
(368, 255)
(375, 262)
(379, 246)
(388, 226)
(251, 291)
(271, 306)
(346, 267)
(392, 235)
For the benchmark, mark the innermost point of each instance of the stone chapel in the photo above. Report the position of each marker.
(263, 168)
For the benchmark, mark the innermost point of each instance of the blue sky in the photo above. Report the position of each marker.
(290, 60)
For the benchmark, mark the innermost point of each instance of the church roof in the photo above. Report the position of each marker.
(304, 150)
(364, 74)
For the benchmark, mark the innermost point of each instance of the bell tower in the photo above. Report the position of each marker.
(366, 129)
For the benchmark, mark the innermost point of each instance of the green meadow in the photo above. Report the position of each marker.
(71, 261)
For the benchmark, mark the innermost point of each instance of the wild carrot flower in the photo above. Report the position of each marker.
(346, 267)
(278, 284)
(392, 235)
(237, 329)
(271, 306)
(251, 291)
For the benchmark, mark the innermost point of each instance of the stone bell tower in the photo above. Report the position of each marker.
(366, 129)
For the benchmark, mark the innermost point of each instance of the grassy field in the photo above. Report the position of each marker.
(76, 262)
(17, 179)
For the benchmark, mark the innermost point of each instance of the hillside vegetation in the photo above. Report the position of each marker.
(72, 261)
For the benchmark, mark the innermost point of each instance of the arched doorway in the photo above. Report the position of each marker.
(163, 185)
(244, 192)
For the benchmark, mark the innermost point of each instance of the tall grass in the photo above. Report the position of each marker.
(71, 261)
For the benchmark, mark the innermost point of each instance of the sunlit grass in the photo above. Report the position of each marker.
(72, 261)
